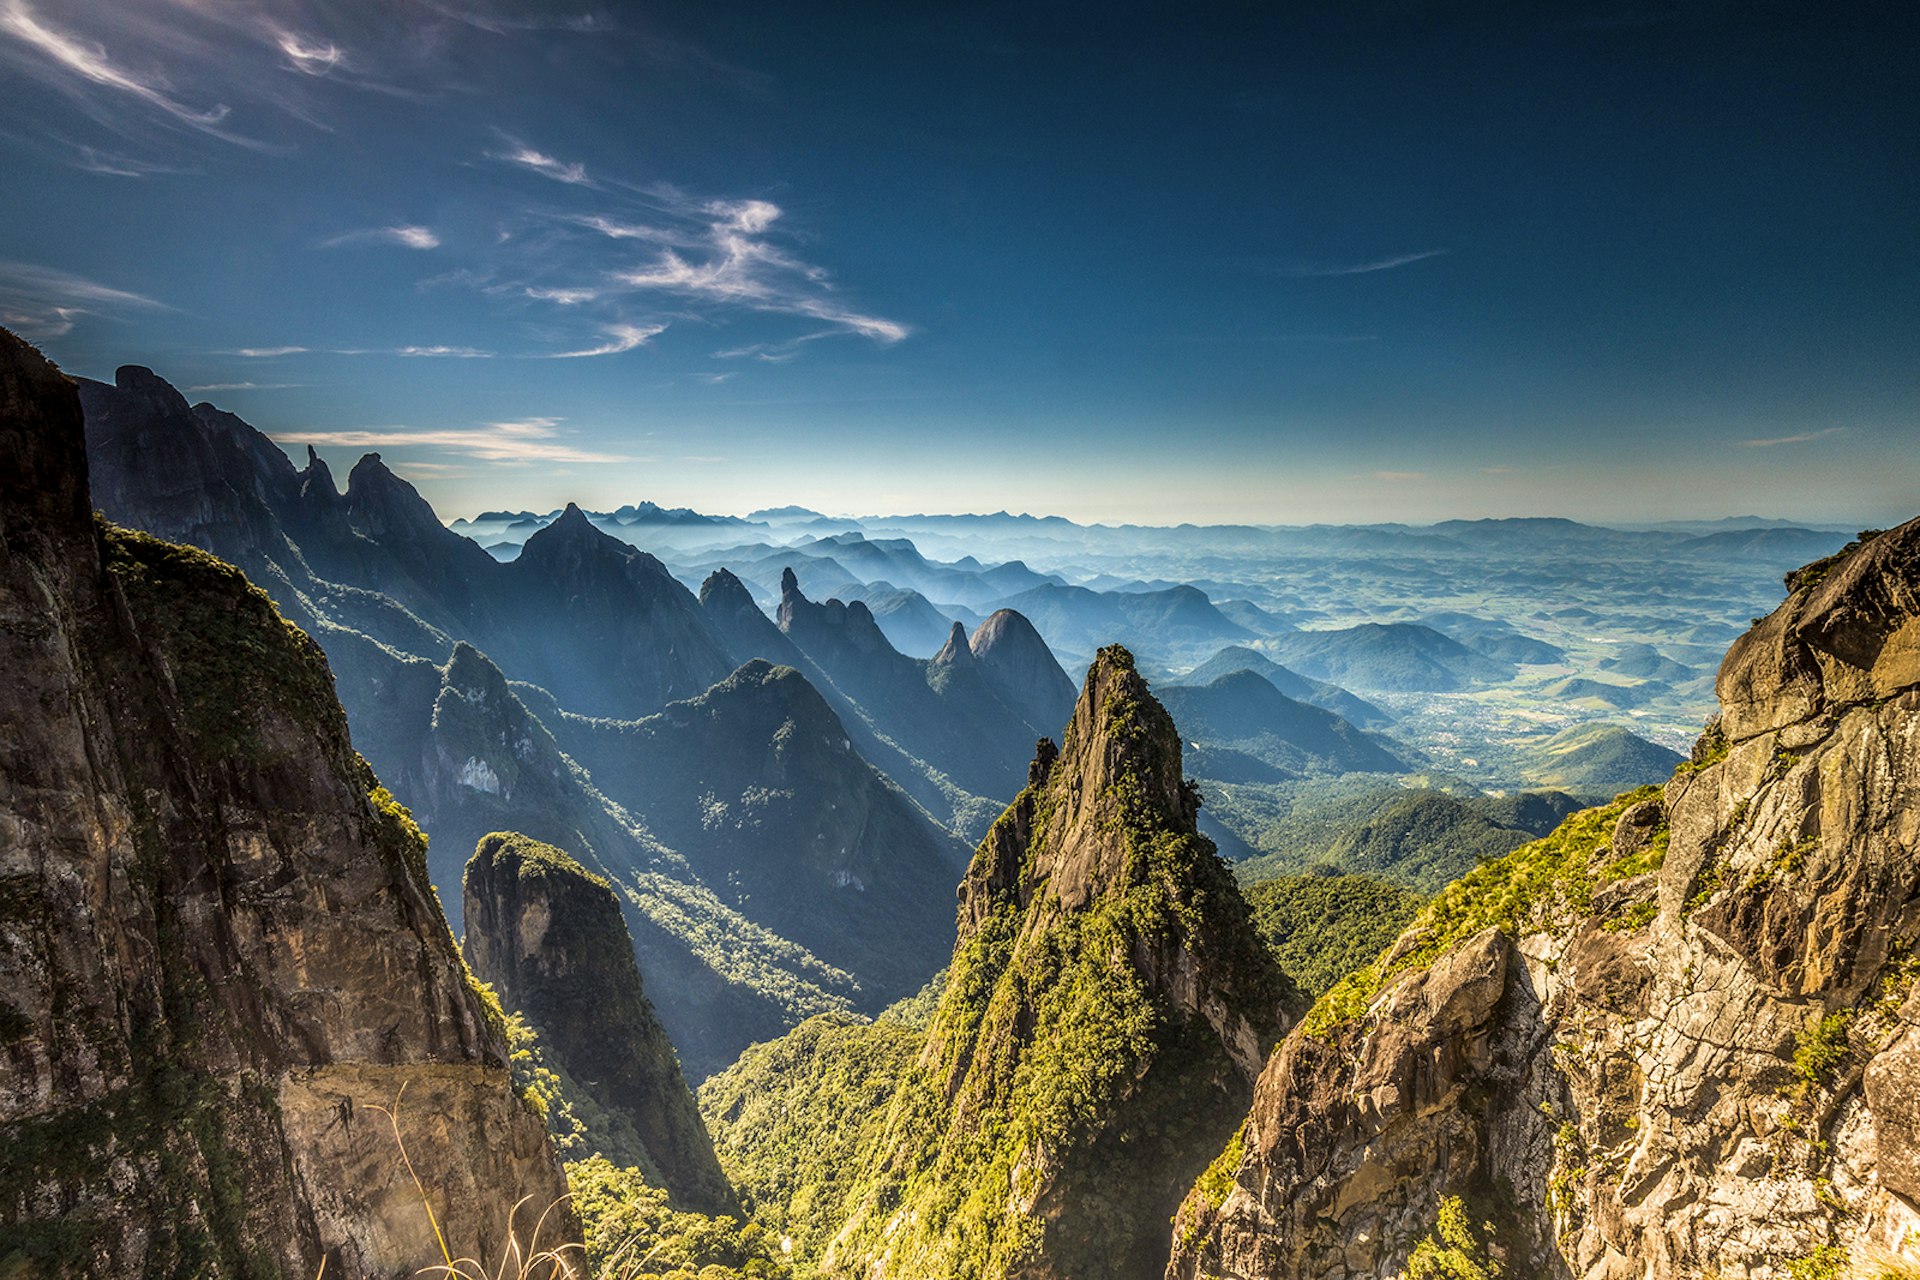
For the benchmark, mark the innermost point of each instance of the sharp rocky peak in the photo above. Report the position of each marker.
(380, 503)
(721, 589)
(956, 652)
(316, 478)
(1119, 767)
(138, 380)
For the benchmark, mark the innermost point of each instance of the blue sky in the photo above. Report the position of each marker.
(1207, 262)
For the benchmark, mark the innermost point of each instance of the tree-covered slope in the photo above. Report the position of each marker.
(1323, 927)
(1596, 760)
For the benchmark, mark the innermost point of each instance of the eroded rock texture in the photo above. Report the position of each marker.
(219, 953)
(1678, 1038)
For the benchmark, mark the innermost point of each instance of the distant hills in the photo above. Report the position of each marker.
(1240, 721)
(1598, 760)
(581, 694)
(1316, 692)
(1399, 657)
(540, 686)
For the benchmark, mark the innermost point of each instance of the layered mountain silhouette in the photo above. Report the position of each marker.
(1315, 692)
(458, 670)
(1240, 721)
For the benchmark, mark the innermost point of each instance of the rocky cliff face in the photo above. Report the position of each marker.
(1106, 1011)
(219, 955)
(1018, 663)
(546, 934)
(1679, 1037)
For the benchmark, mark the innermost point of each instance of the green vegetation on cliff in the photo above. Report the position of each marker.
(796, 1121)
(1543, 884)
(633, 1232)
(547, 934)
(1322, 928)
(1068, 1093)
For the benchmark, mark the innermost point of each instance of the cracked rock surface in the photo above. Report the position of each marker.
(1687, 1043)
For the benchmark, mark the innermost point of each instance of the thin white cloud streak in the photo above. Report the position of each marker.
(315, 59)
(1801, 438)
(524, 441)
(564, 297)
(457, 353)
(244, 386)
(405, 236)
(519, 153)
(614, 229)
(744, 268)
(267, 353)
(41, 303)
(625, 337)
(1400, 477)
(1367, 268)
(93, 160)
(91, 63)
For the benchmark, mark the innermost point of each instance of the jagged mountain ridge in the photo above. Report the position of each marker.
(1106, 1007)
(590, 620)
(206, 897)
(1680, 1036)
(944, 709)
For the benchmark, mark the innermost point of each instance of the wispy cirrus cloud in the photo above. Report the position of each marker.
(635, 257)
(41, 303)
(310, 57)
(243, 386)
(519, 153)
(526, 440)
(66, 55)
(565, 297)
(405, 236)
(455, 353)
(1800, 438)
(1362, 268)
(622, 337)
(738, 264)
(268, 353)
(95, 160)
(159, 73)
